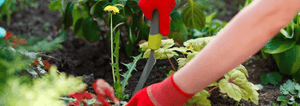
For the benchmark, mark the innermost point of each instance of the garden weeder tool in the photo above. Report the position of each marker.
(154, 42)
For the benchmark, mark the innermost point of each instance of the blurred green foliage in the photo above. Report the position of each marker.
(24, 84)
(11, 6)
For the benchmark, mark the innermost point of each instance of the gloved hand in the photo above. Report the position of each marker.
(164, 8)
(165, 93)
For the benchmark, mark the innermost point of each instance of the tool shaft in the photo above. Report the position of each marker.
(154, 30)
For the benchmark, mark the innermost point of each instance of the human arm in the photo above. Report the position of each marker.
(242, 37)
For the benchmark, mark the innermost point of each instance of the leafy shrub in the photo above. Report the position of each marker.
(288, 88)
(17, 88)
(234, 83)
(285, 48)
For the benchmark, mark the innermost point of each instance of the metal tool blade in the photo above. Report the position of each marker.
(154, 29)
(147, 69)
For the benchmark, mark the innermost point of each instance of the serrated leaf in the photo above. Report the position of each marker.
(130, 66)
(193, 16)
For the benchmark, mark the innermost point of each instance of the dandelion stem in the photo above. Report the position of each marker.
(111, 48)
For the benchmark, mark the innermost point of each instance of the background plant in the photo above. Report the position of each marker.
(11, 6)
(234, 83)
(289, 89)
(273, 78)
(285, 49)
(38, 87)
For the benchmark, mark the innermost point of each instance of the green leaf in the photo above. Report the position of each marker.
(274, 78)
(76, 14)
(259, 86)
(90, 29)
(170, 73)
(97, 9)
(45, 46)
(197, 44)
(163, 52)
(78, 29)
(181, 62)
(143, 32)
(232, 90)
(68, 15)
(288, 88)
(129, 47)
(180, 35)
(210, 17)
(177, 4)
(288, 62)
(135, 24)
(193, 16)
(285, 33)
(278, 45)
(55, 5)
(199, 99)
(242, 69)
(282, 99)
(130, 66)
(237, 86)
(177, 22)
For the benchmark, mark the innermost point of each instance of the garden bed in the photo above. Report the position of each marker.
(92, 60)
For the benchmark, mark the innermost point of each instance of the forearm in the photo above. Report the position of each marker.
(242, 37)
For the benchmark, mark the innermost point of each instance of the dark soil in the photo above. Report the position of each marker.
(92, 60)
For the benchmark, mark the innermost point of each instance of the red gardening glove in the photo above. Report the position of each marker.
(165, 93)
(164, 8)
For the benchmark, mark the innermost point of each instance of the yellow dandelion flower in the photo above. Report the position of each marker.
(114, 9)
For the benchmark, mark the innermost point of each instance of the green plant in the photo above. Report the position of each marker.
(11, 6)
(38, 87)
(210, 6)
(87, 18)
(285, 49)
(46, 26)
(273, 78)
(212, 27)
(234, 83)
(288, 88)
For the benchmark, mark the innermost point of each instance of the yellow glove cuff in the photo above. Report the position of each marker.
(154, 41)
